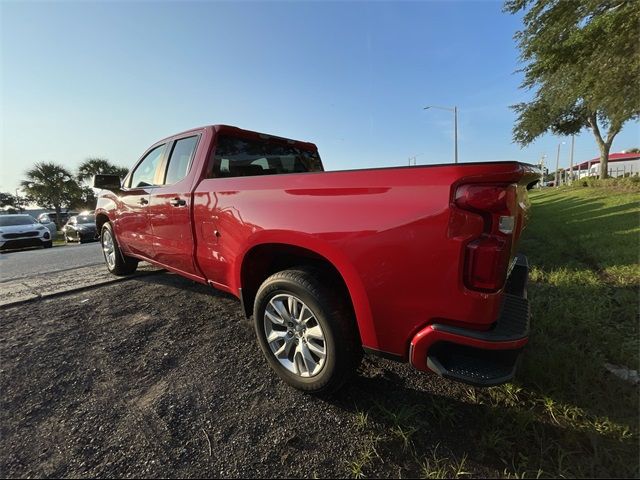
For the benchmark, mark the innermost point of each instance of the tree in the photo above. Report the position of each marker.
(98, 166)
(583, 59)
(14, 202)
(83, 199)
(51, 186)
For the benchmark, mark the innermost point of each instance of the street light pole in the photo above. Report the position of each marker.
(455, 131)
(455, 127)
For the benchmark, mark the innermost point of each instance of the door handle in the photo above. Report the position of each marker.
(143, 201)
(177, 202)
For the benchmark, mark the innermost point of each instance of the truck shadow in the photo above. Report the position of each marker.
(408, 419)
(418, 428)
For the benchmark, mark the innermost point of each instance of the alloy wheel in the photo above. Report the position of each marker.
(294, 335)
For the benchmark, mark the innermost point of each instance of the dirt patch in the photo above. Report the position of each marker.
(162, 377)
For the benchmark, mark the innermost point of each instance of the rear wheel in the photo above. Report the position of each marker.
(306, 331)
(117, 262)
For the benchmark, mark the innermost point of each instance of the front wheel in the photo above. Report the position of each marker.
(117, 263)
(306, 331)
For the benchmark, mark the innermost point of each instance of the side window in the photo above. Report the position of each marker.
(180, 159)
(144, 174)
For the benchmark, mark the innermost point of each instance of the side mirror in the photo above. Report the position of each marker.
(108, 182)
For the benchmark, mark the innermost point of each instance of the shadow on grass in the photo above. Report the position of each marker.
(415, 426)
(566, 231)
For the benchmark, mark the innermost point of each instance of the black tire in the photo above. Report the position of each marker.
(48, 244)
(122, 265)
(333, 314)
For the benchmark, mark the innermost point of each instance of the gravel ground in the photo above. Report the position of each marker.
(162, 377)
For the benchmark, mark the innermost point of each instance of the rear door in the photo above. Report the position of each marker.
(170, 207)
(133, 228)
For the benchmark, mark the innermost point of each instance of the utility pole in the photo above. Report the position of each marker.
(557, 182)
(573, 144)
(414, 158)
(542, 170)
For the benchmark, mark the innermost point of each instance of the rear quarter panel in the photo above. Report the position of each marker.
(385, 230)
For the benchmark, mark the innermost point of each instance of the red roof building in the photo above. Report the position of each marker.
(619, 164)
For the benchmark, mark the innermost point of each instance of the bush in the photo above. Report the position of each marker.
(623, 183)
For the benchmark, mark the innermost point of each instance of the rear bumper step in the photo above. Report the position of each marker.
(480, 358)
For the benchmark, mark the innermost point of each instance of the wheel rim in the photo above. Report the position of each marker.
(294, 335)
(109, 249)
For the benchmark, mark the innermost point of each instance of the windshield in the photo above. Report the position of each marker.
(10, 220)
(86, 219)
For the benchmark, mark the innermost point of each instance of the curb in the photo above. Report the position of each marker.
(47, 296)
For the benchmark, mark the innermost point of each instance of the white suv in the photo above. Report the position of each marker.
(19, 231)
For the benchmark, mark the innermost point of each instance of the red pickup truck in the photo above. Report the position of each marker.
(416, 264)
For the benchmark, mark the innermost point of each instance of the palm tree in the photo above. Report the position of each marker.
(98, 166)
(50, 186)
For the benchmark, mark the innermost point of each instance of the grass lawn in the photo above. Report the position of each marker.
(583, 245)
(565, 415)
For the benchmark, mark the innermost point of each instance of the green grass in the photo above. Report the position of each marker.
(565, 415)
(59, 239)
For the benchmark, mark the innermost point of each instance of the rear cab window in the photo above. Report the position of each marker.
(237, 156)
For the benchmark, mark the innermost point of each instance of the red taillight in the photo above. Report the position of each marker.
(487, 255)
(486, 263)
(482, 198)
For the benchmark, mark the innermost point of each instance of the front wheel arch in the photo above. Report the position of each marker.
(101, 219)
(119, 264)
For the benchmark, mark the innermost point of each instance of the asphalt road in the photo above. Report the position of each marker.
(27, 263)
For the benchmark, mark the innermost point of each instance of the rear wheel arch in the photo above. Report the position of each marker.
(263, 260)
(308, 337)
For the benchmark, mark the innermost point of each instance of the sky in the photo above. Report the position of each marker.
(91, 79)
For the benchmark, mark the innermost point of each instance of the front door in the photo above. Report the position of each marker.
(133, 228)
(170, 209)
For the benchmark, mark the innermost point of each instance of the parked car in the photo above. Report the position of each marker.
(50, 217)
(417, 264)
(80, 228)
(20, 231)
(51, 226)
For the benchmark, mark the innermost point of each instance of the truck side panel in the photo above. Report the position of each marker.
(385, 230)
